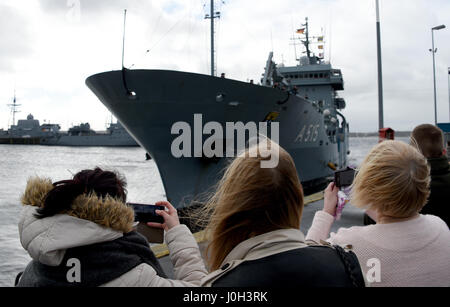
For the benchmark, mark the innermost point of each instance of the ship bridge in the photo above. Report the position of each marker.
(313, 75)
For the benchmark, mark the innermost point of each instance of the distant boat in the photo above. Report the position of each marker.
(29, 132)
(83, 135)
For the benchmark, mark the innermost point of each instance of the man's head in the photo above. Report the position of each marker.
(429, 139)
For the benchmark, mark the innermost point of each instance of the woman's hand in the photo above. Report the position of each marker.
(330, 199)
(170, 217)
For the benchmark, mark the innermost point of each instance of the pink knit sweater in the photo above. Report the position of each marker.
(411, 254)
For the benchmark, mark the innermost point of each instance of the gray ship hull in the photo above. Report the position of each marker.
(165, 97)
(20, 141)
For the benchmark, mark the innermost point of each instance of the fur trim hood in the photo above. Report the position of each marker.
(91, 220)
(107, 212)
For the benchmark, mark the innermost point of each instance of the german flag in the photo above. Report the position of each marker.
(301, 31)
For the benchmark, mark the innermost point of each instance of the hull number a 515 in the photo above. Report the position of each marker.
(309, 133)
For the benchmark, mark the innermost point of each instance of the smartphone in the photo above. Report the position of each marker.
(147, 213)
(345, 177)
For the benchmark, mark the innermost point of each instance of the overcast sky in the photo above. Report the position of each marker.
(47, 50)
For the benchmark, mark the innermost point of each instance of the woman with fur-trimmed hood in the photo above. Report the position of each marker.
(84, 224)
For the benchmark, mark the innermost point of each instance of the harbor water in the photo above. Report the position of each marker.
(19, 162)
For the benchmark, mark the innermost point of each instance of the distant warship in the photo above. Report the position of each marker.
(83, 135)
(30, 132)
(303, 99)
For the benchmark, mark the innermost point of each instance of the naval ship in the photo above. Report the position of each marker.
(30, 132)
(303, 99)
(83, 135)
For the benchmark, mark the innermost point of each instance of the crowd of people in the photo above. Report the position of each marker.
(252, 226)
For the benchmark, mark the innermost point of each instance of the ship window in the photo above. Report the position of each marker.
(316, 76)
(321, 76)
(326, 75)
(310, 76)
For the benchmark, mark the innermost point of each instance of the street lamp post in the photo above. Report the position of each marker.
(380, 71)
(433, 50)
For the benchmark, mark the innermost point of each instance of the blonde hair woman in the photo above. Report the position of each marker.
(404, 248)
(253, 231)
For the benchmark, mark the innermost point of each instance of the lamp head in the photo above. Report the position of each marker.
(439, 27)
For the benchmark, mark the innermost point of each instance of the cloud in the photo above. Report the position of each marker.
(17, 41)
(89, 6)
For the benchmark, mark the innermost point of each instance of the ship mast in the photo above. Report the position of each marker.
(13, 106)
(308, 52)
(212, 16)
(305, 41)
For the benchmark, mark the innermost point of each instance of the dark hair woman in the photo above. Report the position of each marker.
(80, 232)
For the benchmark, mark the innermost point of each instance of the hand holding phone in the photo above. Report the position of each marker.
(170, 217)
(336, 194)
(330, 199)
(147, 213)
